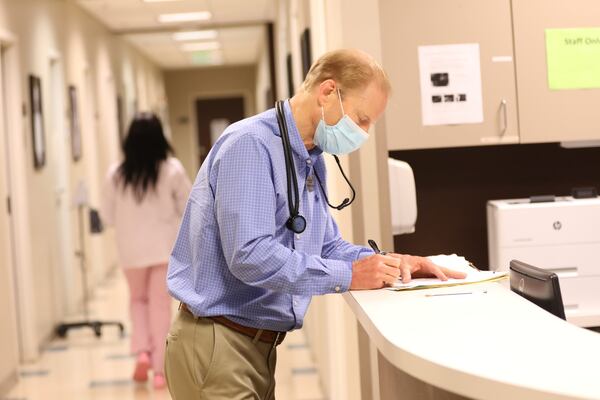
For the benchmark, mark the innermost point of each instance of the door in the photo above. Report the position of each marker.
(409, 24)
(212, 117)
(8, 329)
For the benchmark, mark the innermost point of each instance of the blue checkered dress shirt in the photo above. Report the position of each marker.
(233, 256)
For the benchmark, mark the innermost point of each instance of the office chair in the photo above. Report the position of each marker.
(539, 286)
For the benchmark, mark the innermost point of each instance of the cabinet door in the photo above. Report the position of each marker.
(408, 24)
(552, 115)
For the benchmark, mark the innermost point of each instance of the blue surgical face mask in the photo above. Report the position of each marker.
(342, 138)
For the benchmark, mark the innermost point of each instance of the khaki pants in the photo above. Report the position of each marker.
(206, 360)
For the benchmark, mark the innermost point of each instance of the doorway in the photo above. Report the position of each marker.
(8, 335)
(213, 115)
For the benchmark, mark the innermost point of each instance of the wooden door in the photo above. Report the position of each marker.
(214, 113)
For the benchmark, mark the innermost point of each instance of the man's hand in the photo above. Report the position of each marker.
(374, 272)
(422, 267)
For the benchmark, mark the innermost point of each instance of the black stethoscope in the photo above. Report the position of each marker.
(296, 222)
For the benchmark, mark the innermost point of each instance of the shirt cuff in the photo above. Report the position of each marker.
(341, 276)
(365, 252)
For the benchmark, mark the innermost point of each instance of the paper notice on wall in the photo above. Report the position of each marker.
(450, 84)
(217, 127)
(573, 58)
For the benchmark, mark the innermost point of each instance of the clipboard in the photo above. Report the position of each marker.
(455, 262)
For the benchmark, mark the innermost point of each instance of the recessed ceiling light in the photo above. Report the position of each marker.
(184, 17)
(195, 35)
(200, 46)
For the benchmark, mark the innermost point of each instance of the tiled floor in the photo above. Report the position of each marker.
(83, 367)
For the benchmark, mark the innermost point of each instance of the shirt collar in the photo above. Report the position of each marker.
(296, 142)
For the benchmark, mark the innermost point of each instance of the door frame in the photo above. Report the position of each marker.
(12, 327)
(59, 145)
(17, 158)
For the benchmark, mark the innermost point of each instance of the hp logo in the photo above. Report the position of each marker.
(557, 225)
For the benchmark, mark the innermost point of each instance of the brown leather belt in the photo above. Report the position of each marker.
(264, 335)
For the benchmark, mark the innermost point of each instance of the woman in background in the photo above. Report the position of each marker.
(144, 198)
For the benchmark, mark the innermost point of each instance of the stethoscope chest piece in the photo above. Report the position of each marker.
(296, 224)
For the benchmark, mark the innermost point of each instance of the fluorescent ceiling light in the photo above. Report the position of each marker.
(207, 58)
(201, 46)
(158, 1)
(184, 17)
(195, 35)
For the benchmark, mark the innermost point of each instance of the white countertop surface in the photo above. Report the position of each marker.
(492, 345)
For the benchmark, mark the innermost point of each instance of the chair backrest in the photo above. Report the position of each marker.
(537, 285)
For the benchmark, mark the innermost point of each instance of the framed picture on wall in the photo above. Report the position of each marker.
(74, 123)
(306, 52)
(37, 122)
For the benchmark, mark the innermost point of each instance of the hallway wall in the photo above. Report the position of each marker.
(330, 326)
(333, 25)
(63, 45)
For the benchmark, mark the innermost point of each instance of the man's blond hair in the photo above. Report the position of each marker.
(351, 69)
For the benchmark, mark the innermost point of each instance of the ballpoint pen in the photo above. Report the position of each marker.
(376, 248)
(454, 293)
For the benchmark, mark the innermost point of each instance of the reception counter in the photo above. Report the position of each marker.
(480, 341)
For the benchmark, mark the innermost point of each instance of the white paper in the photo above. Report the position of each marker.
(453, 262)
(450, 78)
(217, 127)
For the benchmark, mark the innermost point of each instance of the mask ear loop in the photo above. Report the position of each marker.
(341, 103)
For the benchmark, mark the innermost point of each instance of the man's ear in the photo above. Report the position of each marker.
(325, 89)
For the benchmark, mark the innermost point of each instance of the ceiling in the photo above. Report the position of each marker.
(236, 29)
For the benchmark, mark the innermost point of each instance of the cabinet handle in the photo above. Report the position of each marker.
(504, 113)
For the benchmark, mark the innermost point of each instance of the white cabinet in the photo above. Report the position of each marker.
(552, 115)
(408, 24)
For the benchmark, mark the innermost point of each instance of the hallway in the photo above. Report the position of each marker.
(74, 76)
(83, 367)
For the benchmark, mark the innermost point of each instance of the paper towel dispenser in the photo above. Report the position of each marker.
(403, 197)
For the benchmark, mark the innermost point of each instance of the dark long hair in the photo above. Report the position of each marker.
(145, 148)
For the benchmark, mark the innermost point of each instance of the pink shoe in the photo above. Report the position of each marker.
(159, 381)
(142, 366)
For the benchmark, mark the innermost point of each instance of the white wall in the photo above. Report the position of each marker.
(63, 45)
(330, 325)
(263, 78)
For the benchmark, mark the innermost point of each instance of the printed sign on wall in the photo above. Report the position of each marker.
(573, 57)
(450, 78)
